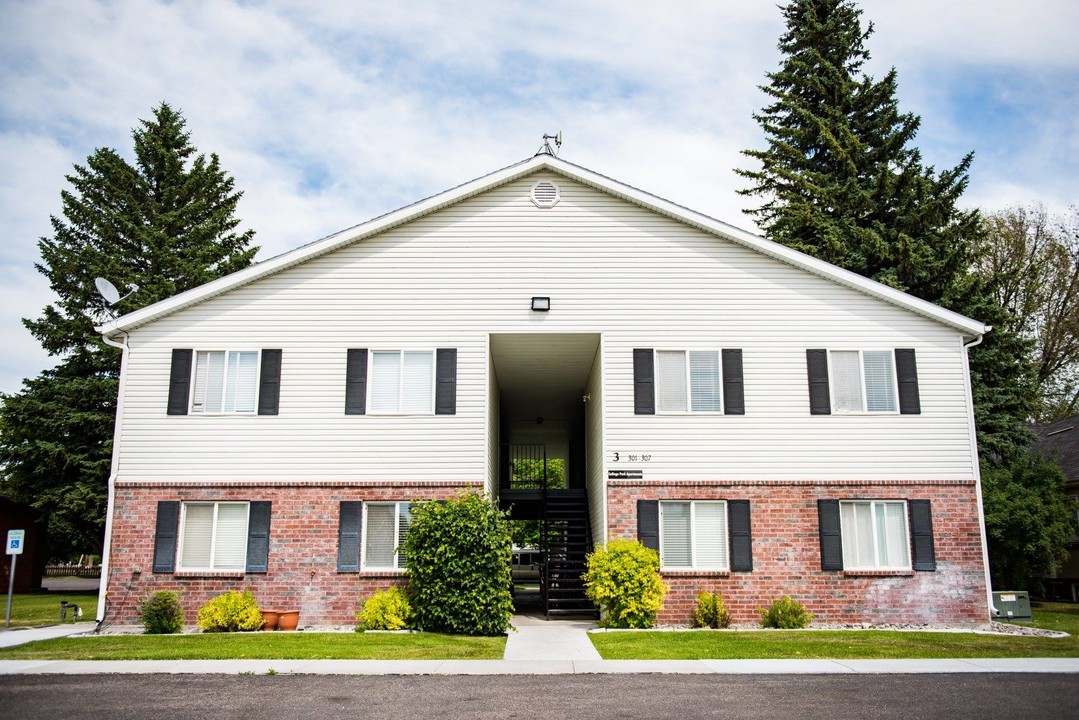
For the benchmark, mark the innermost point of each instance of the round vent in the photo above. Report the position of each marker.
(545, 194)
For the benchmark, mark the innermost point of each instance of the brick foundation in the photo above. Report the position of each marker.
(786, 554)
(303, 549)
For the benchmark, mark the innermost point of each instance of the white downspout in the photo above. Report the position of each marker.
(105, 551)
(978, 470)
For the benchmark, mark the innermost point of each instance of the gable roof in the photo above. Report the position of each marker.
(970, 328)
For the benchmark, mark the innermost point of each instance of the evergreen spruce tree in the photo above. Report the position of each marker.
(167, 224)
(840, 180)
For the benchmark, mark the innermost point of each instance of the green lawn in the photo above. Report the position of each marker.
(36, 609)
(772, 644)
(262, 645)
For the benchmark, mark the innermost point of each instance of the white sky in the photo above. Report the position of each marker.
(330, 113)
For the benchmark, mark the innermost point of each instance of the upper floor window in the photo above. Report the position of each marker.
(225, 381)
(874, 535)
(213, 536)
(384, 529)
(688, 381)
(863, 381)
(693, 534)
(402, 381)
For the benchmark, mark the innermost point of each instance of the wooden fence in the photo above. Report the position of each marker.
(73, 570)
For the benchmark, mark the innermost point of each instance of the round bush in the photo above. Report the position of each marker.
(623, 579)
(711, 611)
(458, 556)
(230, 612)
(785, 614)
(161, 613)
(385, 610)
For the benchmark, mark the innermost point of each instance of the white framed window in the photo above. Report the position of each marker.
(402, 381)
(875, 534)
(226, 381)
(385, 525)
(688, 381)
(693, 534)
(213, 536)
(863, 381)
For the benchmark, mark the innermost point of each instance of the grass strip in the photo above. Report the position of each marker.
(263, 646)
(844, 644)
(38, 609)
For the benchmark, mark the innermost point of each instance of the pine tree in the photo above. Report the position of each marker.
(167, 224)
(841, 180)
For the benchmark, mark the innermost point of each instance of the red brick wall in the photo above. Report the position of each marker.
(303, 549)
(786, 554)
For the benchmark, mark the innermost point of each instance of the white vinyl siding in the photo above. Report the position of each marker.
(402, 382)
(875, 535)
(213, 536)
(385, 526)
(863, 381)
(225, 381)
(450, 280)
(687, 381)
(693, 534)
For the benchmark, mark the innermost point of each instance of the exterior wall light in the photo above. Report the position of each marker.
(541, 304)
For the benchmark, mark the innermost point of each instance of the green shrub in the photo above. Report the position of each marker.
(711, 611)
(161, 613)
(785, 614)
(459, 555)
(385, 610)
(231, 612)
(623, 579)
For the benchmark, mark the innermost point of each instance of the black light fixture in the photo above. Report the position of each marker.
(541, 304)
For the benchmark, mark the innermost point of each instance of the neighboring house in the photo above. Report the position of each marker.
(1060, 441)
(769, 423)
(30, 567)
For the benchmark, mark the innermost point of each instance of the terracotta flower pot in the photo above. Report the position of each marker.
(288, 619)
(269, 620)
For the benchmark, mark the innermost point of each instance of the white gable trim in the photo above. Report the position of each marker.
(970, 328)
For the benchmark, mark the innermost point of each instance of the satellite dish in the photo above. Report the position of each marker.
(107, 290)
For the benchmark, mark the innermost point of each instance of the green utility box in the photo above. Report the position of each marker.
(1011, 605)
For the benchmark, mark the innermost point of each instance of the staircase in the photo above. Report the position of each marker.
(567, 540)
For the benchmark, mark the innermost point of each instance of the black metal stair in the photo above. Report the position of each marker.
(567, 538)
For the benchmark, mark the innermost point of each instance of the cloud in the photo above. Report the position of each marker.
(328, 114)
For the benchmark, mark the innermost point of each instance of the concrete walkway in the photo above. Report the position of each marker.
(539, 647)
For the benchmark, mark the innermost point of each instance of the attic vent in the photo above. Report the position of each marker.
(545, 194)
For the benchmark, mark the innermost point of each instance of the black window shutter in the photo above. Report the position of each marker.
(446, 381)
(906, 371)
(644, 383)
(348, 536)
(270, 382)
(921, 530)
(179, 382)
(356, 382)
(831, 542)
(734, 398)
(258, 537)
(648, 523)
(817, 369)
(168, 521)
(741, 537)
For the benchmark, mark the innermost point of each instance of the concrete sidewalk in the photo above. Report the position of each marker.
(538, 647)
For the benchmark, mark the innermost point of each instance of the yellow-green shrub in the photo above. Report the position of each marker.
(785, 614)
(711, 611)
(623, 579)
(230, 612)
(385, 610)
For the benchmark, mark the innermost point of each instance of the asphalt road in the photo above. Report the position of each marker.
(283, 697)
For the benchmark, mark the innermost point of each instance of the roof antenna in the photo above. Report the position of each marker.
(110, 294)
(545, 149)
